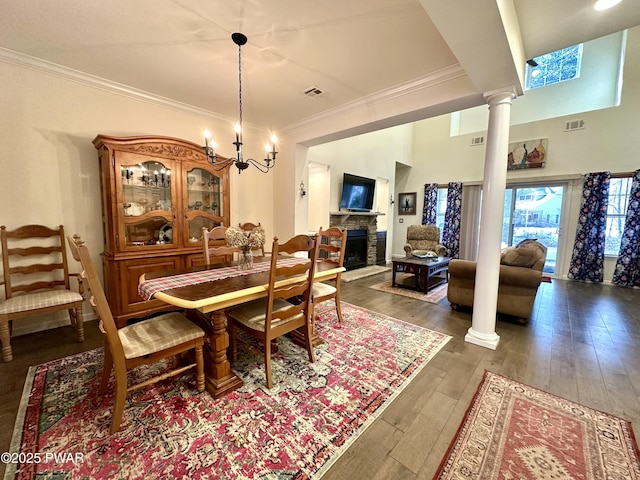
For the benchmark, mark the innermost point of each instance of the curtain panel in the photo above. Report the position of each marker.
(452, 220)
(587, 259)
(470, 226)
(627, 272)
(430, 204)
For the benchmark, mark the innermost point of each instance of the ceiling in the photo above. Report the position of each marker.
(182, 50)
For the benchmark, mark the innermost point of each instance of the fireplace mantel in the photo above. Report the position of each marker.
(344, 216)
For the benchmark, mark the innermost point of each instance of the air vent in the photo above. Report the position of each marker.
(477, 141)
(313, 92)
(574, 125)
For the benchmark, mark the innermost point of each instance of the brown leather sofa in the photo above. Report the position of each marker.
(520, 275)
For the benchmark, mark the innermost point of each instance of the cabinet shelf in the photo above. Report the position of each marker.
(157, 194)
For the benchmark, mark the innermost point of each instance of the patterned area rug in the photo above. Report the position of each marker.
(432, 296)
(513, 431)
(296, 430)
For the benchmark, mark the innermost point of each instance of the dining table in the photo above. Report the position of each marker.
(205, 292)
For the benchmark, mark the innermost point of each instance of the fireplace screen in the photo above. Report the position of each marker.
(356, 251)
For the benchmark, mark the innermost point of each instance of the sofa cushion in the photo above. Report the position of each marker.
(524, 256)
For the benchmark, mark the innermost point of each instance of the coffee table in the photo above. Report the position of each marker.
(427, 273)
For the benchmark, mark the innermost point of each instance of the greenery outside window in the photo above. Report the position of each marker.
(554, 67)
(619, 189)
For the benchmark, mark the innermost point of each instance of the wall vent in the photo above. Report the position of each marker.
(574, 125)
(477, 141)
(313, 92)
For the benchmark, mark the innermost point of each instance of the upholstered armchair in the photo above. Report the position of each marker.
(422, 239)
(520, 276)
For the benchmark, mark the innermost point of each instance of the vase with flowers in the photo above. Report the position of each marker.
(245, 241)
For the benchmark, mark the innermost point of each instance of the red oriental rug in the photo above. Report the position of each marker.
(296, 430)
(514, 431)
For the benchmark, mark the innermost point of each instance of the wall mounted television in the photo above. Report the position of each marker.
(357, 193)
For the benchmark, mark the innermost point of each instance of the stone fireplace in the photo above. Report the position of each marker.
(361, 237)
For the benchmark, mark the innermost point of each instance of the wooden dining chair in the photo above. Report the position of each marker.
(248, 227)
(218, 253)
(330, 247)
(36, 279)
(269, 318)
(140, 343)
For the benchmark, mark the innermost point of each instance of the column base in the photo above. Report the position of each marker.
(488, 341)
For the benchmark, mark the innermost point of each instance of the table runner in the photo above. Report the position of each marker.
(149, 287)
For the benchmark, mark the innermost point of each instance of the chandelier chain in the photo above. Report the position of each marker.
(210, 151)
(240, 83)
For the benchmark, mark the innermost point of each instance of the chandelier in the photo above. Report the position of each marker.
(210, 147)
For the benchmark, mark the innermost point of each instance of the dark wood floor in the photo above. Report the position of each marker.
(581, 344)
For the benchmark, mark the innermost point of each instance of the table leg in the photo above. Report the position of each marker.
(220, 380)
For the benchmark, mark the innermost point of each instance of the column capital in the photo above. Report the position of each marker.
(502, 95)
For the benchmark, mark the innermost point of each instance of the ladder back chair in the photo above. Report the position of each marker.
(330, 246)
(140, 343)
(249, 227)
(216, 253)
(36, 279)
(269, 318)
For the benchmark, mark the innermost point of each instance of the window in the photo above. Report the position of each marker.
(442, 207)
(533, 211)
(619, 189)
(554, 67)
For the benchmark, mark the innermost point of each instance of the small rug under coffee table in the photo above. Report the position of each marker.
(514, 431)
(295, 430)
(435, 295)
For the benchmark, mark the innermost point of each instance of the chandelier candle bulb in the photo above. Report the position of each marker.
(238, 130)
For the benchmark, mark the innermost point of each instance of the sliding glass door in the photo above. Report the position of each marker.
(534, 211)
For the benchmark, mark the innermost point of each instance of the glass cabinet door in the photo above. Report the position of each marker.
(204, 202)
(147, 204)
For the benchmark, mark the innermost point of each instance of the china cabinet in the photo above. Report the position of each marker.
(157, 194)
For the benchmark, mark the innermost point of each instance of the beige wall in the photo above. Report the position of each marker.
(49, 166)
(373, 155)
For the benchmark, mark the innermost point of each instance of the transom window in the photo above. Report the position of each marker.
(619, 189)
(554, 67)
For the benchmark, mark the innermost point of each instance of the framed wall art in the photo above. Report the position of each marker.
(407, 203)
(527, 154)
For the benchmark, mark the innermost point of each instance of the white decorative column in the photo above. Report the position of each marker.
(485, 296)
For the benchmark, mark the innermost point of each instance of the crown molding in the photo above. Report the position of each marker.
(442, 75)
(66, 73)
